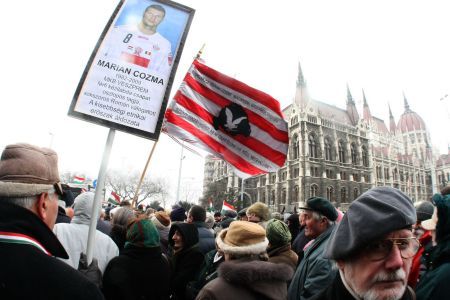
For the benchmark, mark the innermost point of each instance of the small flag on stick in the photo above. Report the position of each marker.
(227, 206)
(114, 198)
(78, 179)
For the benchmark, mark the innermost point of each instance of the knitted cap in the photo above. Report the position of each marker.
(142, 233)
(178, 214)
(27, 170)
(278, 233)
(260, 210)
(370, 217)
(242, 237)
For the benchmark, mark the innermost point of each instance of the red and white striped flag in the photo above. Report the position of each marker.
(230, 120)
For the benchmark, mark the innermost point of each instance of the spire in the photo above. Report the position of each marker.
(349, 96)
(392, 126)
(406, 102)
(300, 79)
(301, 94)
(351, 108)
(366, 111)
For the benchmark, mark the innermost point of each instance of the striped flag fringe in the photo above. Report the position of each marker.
(230, 120)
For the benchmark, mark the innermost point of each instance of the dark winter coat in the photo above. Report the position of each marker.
(337, 291)
(248, 280)
(118, 234)
(315, 272)
(26, 271)
(137, 273)
(185, 263)
(283, 255)
(434, 284)
(62, 217)
(206, 238)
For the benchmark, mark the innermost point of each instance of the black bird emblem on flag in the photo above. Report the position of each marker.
(233, 119)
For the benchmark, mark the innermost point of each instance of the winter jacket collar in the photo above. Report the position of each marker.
(19, 220)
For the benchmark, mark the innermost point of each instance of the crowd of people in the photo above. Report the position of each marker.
(383, 247)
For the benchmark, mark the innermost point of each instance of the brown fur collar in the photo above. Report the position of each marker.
(245, 272)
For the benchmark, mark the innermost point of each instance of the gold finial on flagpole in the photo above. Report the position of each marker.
(200, 51)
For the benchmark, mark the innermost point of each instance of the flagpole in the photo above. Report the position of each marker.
(179, 174)
(98, 193)
(199, 53)
(242, 192)
(136, 194)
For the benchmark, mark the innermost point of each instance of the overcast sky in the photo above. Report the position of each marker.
(383, 47)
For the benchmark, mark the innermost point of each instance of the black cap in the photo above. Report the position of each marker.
(370, 217)
(322, 206)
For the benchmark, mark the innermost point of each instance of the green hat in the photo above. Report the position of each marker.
(322, 206)
(142, 233)
(278, 233)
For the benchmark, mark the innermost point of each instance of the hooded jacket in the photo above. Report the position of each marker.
(248, 280)
(434, 283)
(186, 262)
(27, 271)
(74, 236)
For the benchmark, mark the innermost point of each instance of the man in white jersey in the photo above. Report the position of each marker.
(140, 44)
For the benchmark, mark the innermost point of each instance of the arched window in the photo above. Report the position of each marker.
(296, 193)
(330, 193)
(327, 149)
(365, 156)
(263, 196)
(341, 151)
(355, 193)
(353, 153)
(314, 190)
(295, 147)
(343, 195)
(272, 197)
(283, 196)
(312, 146)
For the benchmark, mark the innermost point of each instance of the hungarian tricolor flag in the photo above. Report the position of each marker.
(114, 198)
(229, 119)
(227, 206)
(78, 179)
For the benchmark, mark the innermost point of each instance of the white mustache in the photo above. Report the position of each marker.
(392, 276)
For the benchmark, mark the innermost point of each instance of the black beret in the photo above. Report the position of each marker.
(323, 206)
(370, 217)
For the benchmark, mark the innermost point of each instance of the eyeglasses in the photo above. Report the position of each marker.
(380, 250)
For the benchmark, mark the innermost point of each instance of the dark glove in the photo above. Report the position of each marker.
(92, 272)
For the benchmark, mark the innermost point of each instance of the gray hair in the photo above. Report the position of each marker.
(122, 216)
(25, 201)
(318, 216)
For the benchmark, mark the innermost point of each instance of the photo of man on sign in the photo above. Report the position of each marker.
(141, 44)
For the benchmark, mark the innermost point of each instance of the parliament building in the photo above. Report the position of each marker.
(338, 154)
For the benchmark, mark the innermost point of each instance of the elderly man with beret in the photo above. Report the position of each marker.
(315, 271)
(29, 190)
(373, 247)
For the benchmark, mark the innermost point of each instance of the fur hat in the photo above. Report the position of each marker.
(27, 170)
(242, 238)
(161, 219)
(370, 217)
(260, 210)
(278, 233)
